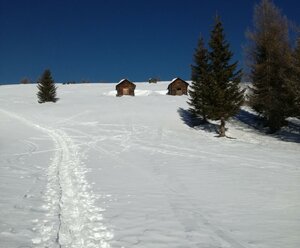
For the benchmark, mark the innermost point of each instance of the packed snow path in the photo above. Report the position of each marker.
(72, 220)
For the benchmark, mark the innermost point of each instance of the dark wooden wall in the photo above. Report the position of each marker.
(125, 88)
(178, 87)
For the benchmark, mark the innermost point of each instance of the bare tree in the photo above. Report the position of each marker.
(270, 60)
(25, 81)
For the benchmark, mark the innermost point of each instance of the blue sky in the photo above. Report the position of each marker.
(107, 40)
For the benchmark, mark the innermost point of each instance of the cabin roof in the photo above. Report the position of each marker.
(125, 81)
(175, 79)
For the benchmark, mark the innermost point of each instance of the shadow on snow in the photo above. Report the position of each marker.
(288, 133)
(197, 122)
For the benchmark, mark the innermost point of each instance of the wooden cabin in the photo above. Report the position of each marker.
(125, 87)
(178, 87)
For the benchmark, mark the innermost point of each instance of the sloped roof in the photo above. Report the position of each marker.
(175, 79)
(123, 81)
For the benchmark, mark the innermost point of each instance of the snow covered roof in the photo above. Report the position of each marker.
(122, 80)
(125, 81)
(174, 79)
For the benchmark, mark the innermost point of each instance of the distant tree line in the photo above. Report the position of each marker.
(274, 72)
(25, 80)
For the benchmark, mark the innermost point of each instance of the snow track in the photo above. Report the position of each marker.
(71, 220)
(198, 226)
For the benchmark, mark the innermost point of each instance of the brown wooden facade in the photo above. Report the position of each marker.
(125, 87)
(178, 87)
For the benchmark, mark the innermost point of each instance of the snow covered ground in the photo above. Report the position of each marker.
(94, 170)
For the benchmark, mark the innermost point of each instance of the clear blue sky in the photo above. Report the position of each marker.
(106, 40)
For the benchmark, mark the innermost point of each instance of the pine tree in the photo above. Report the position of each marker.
(47, 88)
(271, 65)
(215, 92)
(223, 95)
(199, 89)
(224, 76)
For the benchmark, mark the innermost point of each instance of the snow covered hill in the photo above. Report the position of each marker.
(95, 170)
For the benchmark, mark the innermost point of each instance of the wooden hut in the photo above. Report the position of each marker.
(177, 87)
(125, 87)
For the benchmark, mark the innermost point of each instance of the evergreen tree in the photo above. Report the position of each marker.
(47, 88)
(296, 57)
(271, 65)
(225, 77)
(199, 89)
(215, 92)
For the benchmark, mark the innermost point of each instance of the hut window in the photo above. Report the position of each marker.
(179, 91)
(125, 91)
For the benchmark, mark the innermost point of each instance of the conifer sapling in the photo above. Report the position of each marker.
(46, 88)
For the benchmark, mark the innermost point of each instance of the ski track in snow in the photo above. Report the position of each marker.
(196, 222)
(72, 220)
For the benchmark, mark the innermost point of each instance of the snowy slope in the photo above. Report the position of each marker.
(94, 170)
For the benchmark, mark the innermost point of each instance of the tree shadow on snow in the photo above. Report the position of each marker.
(196, 122)
(289, 133)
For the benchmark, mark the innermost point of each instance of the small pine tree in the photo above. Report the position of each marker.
(270, 60)
(199, 89)
(47, 88)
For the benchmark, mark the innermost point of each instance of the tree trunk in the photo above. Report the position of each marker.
(222, 128)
